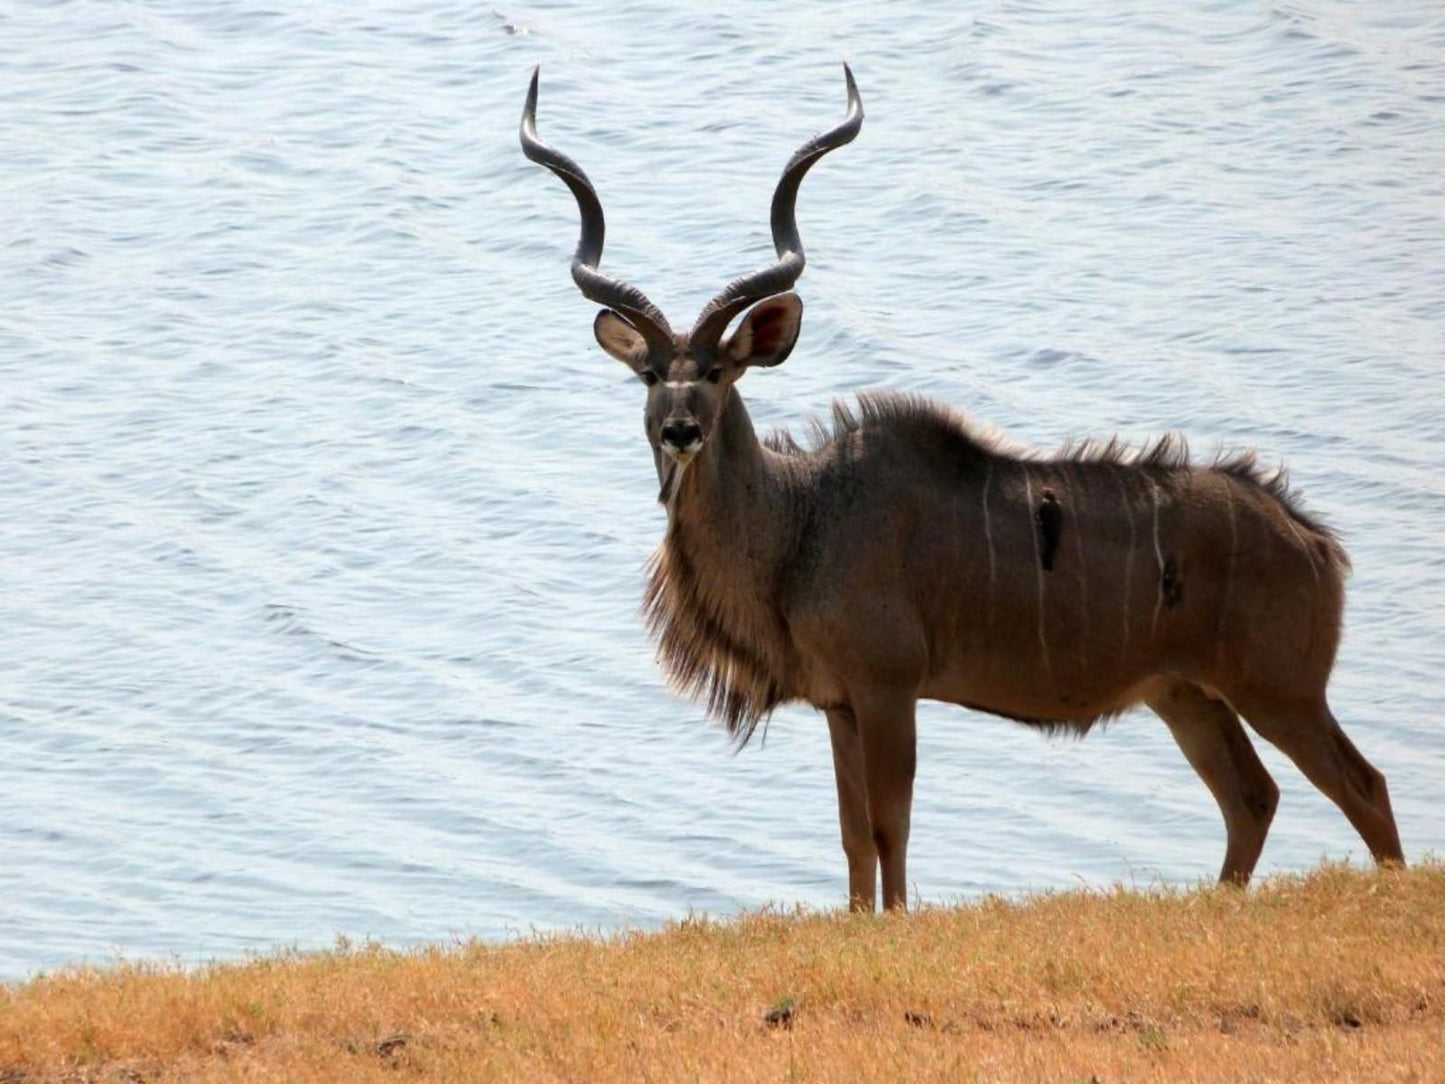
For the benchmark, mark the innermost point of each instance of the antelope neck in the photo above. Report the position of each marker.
(725, 489)
(731, 512)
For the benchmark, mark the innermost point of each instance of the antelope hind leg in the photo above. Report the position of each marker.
(1307, 732)
(1215, 744)
(857, 831)
(887, 730)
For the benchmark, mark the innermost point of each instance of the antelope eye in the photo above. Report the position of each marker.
(714, 375)
(649, 377)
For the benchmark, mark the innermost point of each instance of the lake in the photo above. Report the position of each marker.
(324, 518)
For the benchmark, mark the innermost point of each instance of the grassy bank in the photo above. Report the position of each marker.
(1339, 974)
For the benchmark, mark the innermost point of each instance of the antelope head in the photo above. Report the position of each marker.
(688, 375)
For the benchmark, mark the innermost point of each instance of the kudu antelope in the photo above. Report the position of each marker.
(905, 554)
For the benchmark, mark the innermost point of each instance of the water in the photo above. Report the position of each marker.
(323, 517)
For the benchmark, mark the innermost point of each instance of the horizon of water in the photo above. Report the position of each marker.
(324, 518)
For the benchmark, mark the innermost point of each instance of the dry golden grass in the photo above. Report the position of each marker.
(1336, 975)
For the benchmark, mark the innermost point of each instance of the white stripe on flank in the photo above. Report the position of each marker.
(1310, 557)
(1304, 545)
(1158, 556)
(988, 535)
(1128, 561)
(1039, 573)
(1079, 502)
(1228, 570)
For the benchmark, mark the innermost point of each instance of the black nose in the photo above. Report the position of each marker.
(681, 434)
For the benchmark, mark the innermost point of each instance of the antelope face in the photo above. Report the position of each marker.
(689, 376)
(684, 403)
(688, 385)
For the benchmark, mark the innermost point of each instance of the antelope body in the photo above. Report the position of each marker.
(905, 554)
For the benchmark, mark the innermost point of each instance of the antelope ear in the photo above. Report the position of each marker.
(768, 332)
(620, 339)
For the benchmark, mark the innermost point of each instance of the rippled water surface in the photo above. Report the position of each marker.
(322, 519)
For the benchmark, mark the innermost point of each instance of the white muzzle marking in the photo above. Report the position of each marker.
(682, 456)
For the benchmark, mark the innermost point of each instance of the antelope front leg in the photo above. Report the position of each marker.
(853, 810)
(890, 754)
